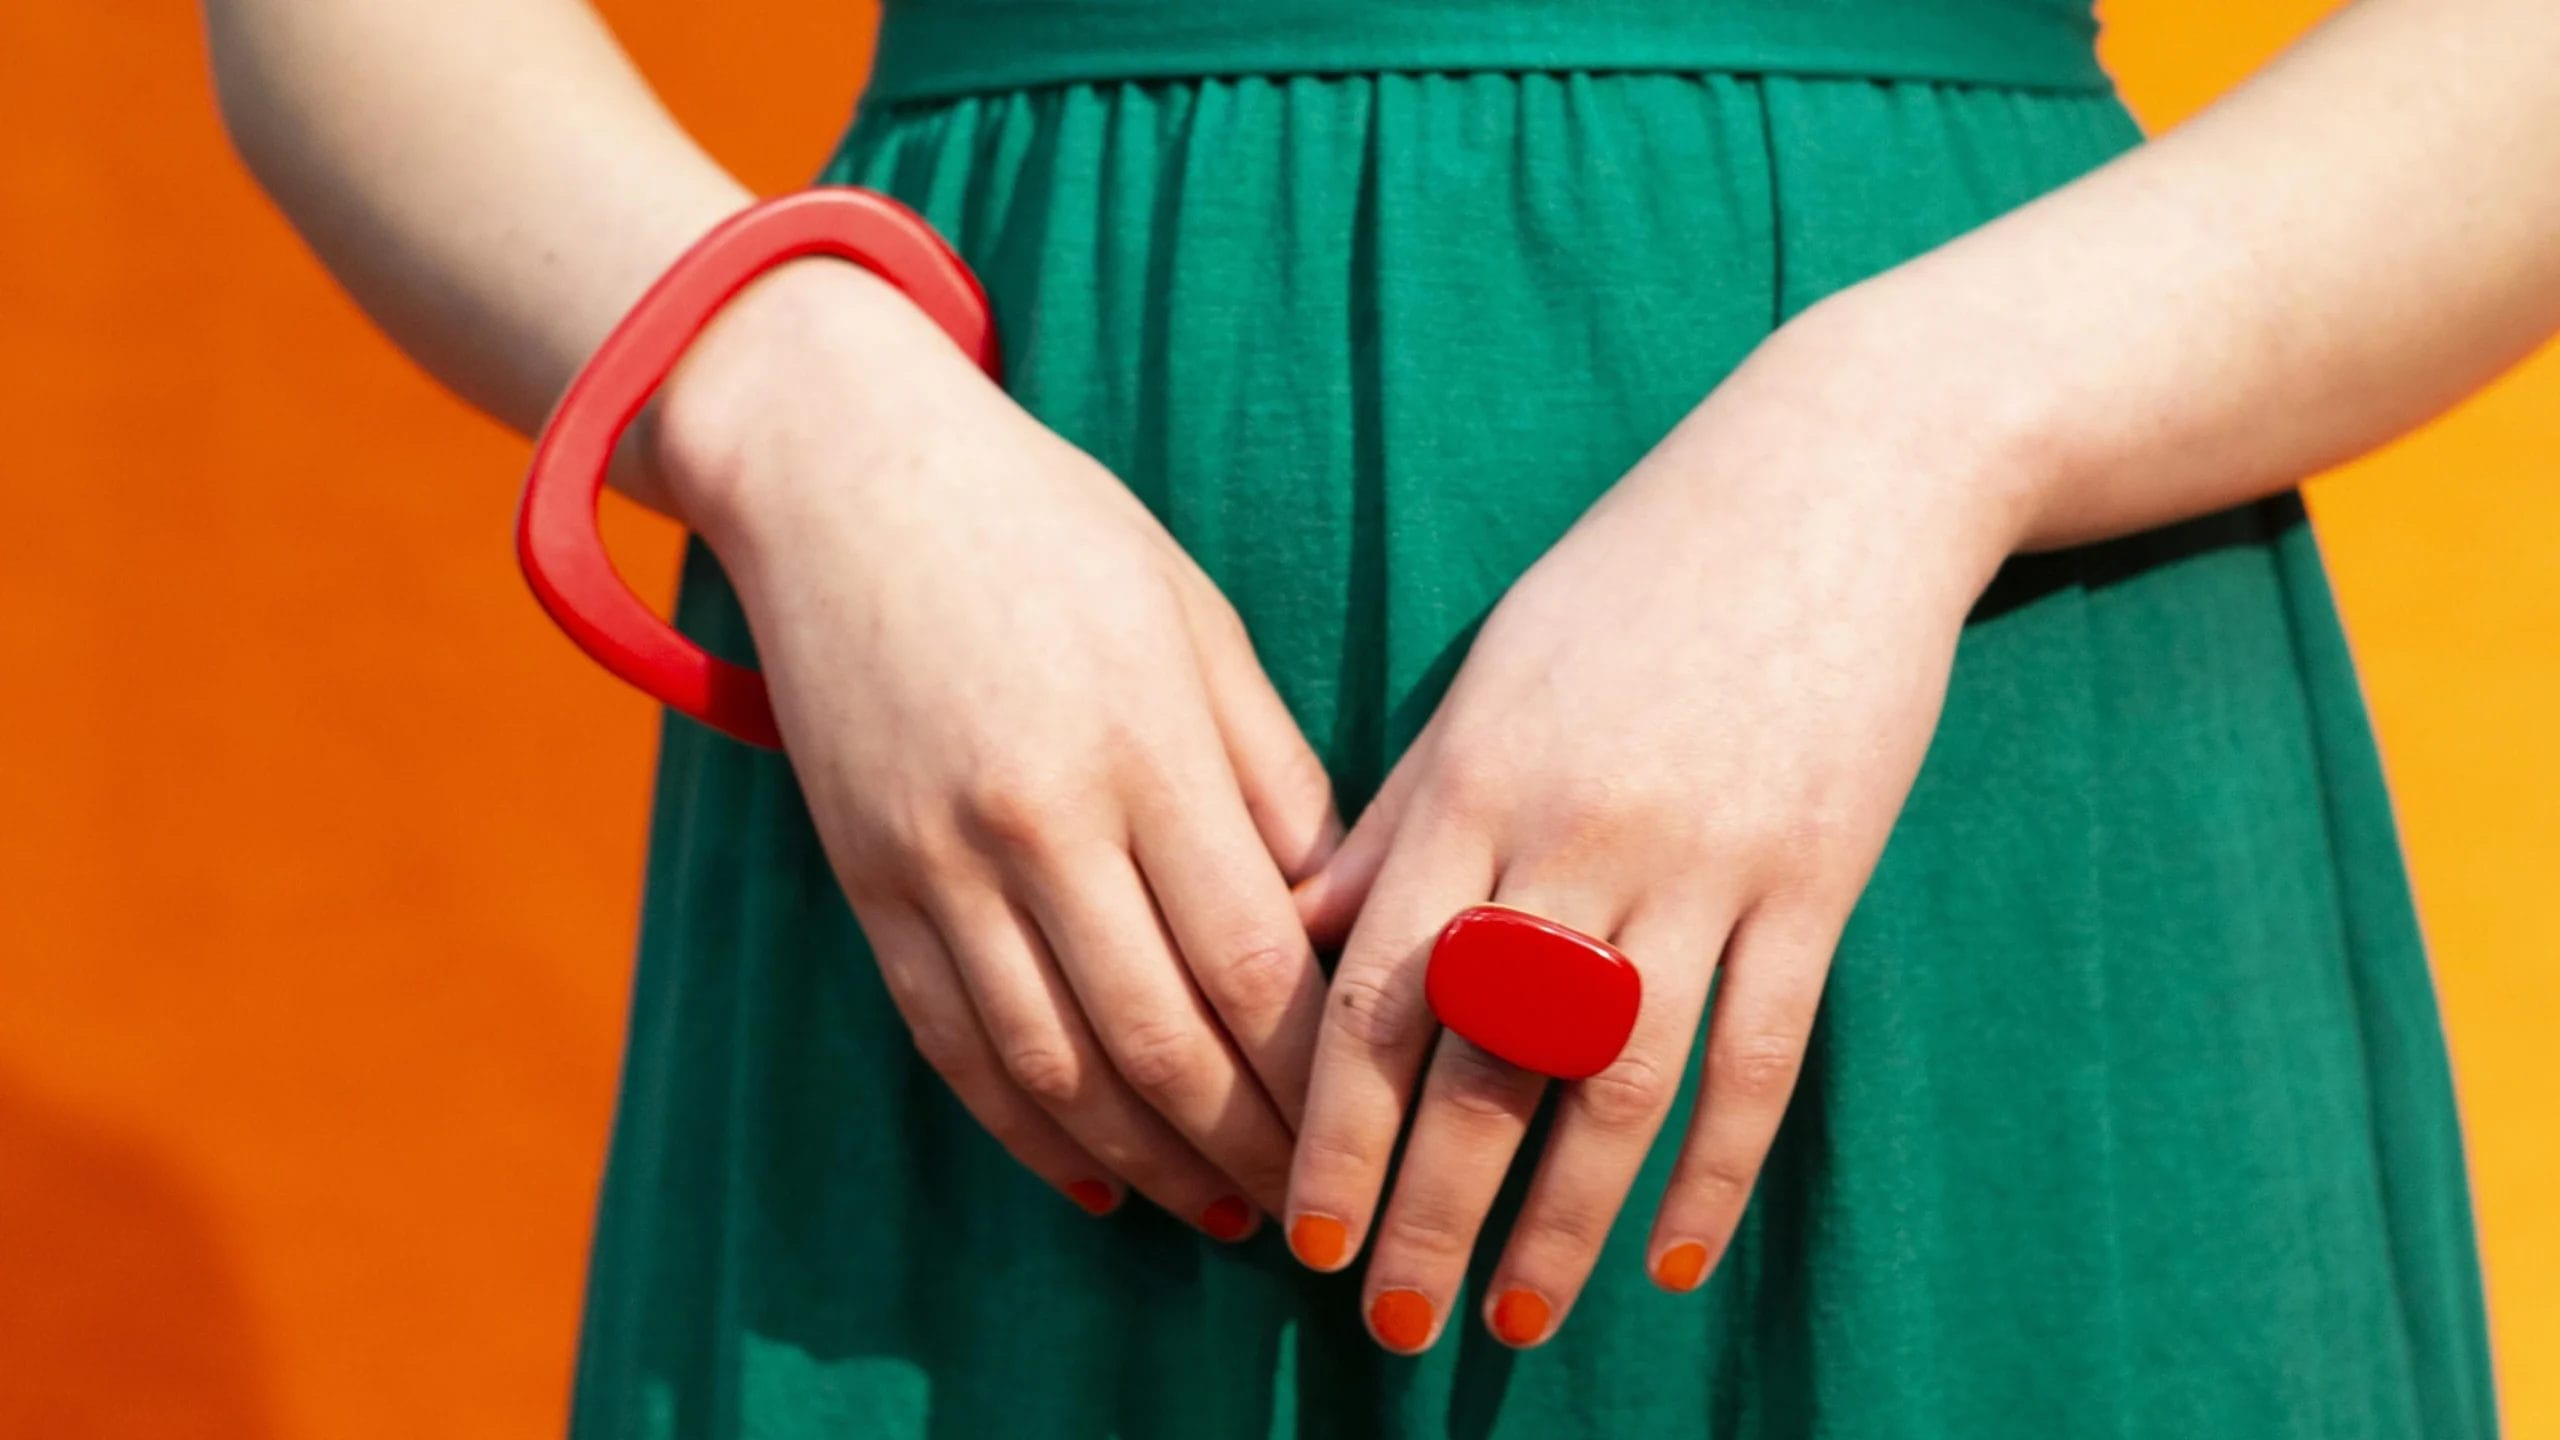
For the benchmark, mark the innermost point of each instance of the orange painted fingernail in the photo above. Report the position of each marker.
(1318, 1241)
(1681, 1267)
(1093, 1195)
(1227, 1219)
(1401, 1319)
(1520, 1317)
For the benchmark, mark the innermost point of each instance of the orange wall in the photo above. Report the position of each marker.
(318, 849)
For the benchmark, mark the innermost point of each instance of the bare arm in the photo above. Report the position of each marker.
(2362, 235)
(1772, 599)
(1115, 985)
(490, 179)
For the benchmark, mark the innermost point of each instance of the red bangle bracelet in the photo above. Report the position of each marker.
(557, 541)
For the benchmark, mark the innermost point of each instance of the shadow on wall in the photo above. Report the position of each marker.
(146, 1331)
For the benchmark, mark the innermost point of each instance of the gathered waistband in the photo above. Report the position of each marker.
(943, 49)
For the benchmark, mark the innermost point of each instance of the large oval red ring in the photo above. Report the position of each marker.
(1539, 994)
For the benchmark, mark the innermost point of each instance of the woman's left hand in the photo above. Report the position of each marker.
(1687, 730)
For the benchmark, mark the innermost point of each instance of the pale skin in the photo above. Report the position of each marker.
(2340, 249)
(1025, 722)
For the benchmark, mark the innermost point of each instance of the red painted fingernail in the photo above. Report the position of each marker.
(1093, 1195)
(1318, 1241)
(1401, 1319)
(1681, 1267)
(1520, 1317)
(1228, 1218)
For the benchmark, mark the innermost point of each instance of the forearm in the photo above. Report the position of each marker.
(2362, 235)
(489, 179)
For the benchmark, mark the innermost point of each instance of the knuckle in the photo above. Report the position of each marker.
(1797, 845)
(899, 976)
(1223, 622)
(1754, 1066)
(1331, 1153)
(1721, 1178)
(1158, 1055)
(904, 837)
(1807, 836)
(1265, 1172)
(865, 882)
(948, 1050)
(1010, 1124)
(1371, 1009)
(1195, 597)
(1586, 812)
(1131, 1157)
(1791, 847)
(1575, 1226)
(1045, 1070)
(1468, 781)
(1428, 1226)
(1298, 778)
(1477, 1085)
(1633, 1091)
(1016, 810)
(1257, 977)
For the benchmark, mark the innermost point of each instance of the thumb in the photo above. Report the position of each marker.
(1330, 899)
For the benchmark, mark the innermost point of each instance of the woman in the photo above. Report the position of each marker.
(1790, 488)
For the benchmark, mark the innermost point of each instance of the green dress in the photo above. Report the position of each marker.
(2128, 1113)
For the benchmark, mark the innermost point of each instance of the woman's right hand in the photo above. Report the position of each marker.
(1061, 795)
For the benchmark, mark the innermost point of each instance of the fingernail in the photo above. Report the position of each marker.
(1318, 1241)
(1093, 1195)
(1228, 1219)
(1401, 1319)
(1681, 1267)
(1520, 1317)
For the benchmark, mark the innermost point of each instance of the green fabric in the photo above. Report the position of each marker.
(937, 49)
(2128, 1114)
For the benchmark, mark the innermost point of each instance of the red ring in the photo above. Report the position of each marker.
(1543, 996)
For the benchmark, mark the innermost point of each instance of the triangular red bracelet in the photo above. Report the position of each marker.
(557, 541)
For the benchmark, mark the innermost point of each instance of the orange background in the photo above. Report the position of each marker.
(319, 850)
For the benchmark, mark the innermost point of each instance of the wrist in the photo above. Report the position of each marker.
(811, 339)
(1963, 414)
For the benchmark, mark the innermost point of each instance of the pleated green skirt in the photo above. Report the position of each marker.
(2128, 1112)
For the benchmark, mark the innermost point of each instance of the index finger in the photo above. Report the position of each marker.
(1377, 1028)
